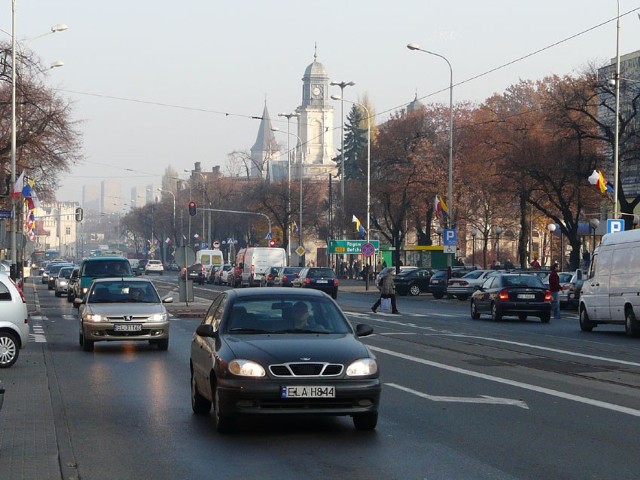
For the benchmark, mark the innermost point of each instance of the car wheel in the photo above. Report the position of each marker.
(496, 316)
(438, 295)
(80, 339)
(199, 404)
(461, 297)
(9, 350)
(163, 345)
(474, 311)
(414, 290)
(545, 317)
(630, 323)
(224, 423)
(365, 421)
(334, 295)
(585, 324)
(87, 345)
(69, 298)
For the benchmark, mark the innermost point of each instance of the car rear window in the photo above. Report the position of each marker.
(320, 272)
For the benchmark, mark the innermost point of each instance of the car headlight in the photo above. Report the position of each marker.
(84, 290)
(158, 317)
(95, 317)
(362, 367)
(246, 368)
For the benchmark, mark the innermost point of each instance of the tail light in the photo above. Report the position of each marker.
(504, 294)
(307, 281)
(18, 287)
(285, 278)
(547, 296)
(335, 282)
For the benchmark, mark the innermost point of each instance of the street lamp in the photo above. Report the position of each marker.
(617, 123)
(594, 222)
(413, 46)
(342, 86)
(14, 219)
(552, 228)
(275, 129)
(288, 116)
(338, 97)
(474, 234)
(498, 231)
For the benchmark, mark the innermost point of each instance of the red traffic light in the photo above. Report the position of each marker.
(192, 208)
(272, 243)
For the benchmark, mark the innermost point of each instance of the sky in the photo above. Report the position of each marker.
(158, 83)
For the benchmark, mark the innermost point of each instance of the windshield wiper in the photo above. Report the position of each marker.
(248, 330)
(301, 330)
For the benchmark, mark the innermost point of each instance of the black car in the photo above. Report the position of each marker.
(413, 281)
(269, 276)
(139, 270)
(285, 276)
(520, 295)
(194, 272)
(281, 351)
(319, 278)
(439, 280)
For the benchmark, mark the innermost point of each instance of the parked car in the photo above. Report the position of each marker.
(413, 281)
(221, 274)
(285, 276)
(154, 266)
(507, 294)
(255, 354)
(269, 276)
(14, 321)
(117, 309)
(463, 287)
(439, 281)
(393, 269)
(575, 288)
(195, 272)
(73, 280)
(319, 278)
(61, 283)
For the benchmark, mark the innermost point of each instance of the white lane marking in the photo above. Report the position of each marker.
(38, 335)
(69, 316)
(513, 383)
(484, 399)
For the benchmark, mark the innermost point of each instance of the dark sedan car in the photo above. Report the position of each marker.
(520, 295)
(439, 280)
(413, 281)
(285, 276)
(318, 278)
(194, 272)
(282, 351)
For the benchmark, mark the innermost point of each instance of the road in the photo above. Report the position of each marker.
(462, 399)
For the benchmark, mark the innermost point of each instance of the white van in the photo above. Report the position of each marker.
(611, 289)
(209, 258)
(258, 260)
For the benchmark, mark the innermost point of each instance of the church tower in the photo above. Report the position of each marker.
(315, 123)
(266, 150)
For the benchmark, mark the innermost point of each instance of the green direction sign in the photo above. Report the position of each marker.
(350, 247)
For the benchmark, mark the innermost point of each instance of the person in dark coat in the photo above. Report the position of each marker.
(554, 286)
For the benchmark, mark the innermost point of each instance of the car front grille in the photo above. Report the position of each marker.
(306, 370)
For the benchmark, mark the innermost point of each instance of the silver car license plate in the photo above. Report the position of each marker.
(308, 391)
(128, 327)
(526, 296)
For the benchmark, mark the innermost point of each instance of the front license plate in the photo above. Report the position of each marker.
(129, 327)
(526, 296)
(308, 392)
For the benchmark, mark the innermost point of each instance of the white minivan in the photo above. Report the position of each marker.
(258, 261)
(611, 289)
(209, 259)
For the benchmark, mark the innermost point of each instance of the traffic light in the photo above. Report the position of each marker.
(192, 208)
(272, 243)
(79, 214)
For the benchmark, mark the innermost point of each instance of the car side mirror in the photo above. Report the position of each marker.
(167, 300)
(206, 330)
(579, 274)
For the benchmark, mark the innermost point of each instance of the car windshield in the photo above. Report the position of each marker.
(473, 274)
(287, 315)
(119, 291)
(107, 268)
(522, 281)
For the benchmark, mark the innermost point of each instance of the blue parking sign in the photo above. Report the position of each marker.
(615, 225)
(450, 237)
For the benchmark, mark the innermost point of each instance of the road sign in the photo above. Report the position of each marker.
(450, 237)
(368, 249)
(5, 213)
(449, 249)
(350, 247)
(185, 256)
(268, 236)
(216, 244)
(615, 225)
(300, 250)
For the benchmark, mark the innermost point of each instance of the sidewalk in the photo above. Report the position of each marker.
(29, 448)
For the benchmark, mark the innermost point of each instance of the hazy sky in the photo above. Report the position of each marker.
(159, 83)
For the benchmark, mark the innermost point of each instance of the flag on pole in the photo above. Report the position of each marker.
(597, 179)
(17, 187)
(295, 227)
(359, 227)
(440, 207)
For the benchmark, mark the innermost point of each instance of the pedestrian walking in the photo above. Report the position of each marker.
(387, 290)
(554, 286)
(535, 264)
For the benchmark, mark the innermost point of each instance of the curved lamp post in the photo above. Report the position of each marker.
(414, 46)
